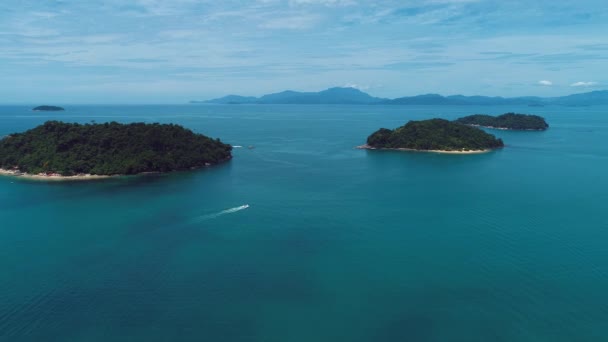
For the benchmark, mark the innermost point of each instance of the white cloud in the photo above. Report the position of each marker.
(583, 84)
(356, 86)
(545, 83)
(45, 15)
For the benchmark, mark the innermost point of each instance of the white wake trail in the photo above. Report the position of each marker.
(223, 212)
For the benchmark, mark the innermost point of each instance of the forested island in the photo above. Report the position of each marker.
(67, 149)
(434, 135)
(48, 109)
(512, 121)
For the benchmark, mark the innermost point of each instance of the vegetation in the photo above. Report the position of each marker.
(434, 134)
(48, 108)
(109, 149)
(506, 121)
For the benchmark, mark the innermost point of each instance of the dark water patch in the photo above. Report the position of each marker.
(408, 327)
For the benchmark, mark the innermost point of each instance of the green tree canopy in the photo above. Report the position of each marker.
(48, 108)
(506, 121)
(109, 149)
(434, 134)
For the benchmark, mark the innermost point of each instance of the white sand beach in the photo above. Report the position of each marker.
(50, 176)
(367, 147)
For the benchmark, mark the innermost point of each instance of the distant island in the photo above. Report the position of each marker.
(434, 135)
(511, 121)
(48, 109)
(57, 149)
(352, 96)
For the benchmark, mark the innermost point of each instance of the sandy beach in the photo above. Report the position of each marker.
(367, 147)
(51, 177)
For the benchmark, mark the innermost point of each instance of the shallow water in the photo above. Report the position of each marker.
(337, 244)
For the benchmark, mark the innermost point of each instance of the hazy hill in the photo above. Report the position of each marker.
(598, 97)
(330, 96)
(231, 99)
(436, 99)
(355, 96)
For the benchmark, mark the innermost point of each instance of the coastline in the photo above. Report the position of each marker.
(87, 176)
(51, 177)
(367, 147)
(507, 129)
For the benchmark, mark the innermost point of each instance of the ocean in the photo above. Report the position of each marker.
(304, 238)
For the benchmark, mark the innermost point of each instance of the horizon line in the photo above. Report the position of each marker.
(189, 102)
(419, 94)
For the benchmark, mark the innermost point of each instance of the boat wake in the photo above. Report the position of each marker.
(223, 212)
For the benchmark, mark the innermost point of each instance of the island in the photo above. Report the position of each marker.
(434, 135)
(48, 109)
(58, 150)
(509, 121)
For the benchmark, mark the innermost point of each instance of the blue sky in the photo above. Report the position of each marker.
(172, 51)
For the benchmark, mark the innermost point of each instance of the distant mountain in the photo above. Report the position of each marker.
(329, 96)
(435, 99)
(427, 99)
(598, 97)
(231, 99)
(356, 96)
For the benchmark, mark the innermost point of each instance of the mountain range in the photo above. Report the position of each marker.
(355, 96)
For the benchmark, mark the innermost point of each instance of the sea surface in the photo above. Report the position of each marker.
(337, 244)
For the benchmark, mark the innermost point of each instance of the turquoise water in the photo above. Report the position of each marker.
(338, 244)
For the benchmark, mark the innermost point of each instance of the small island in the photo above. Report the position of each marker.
(48, 109)
(508, 121)
(434, 135)
(58, 150)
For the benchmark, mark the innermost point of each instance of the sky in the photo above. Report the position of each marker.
(173, 51)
